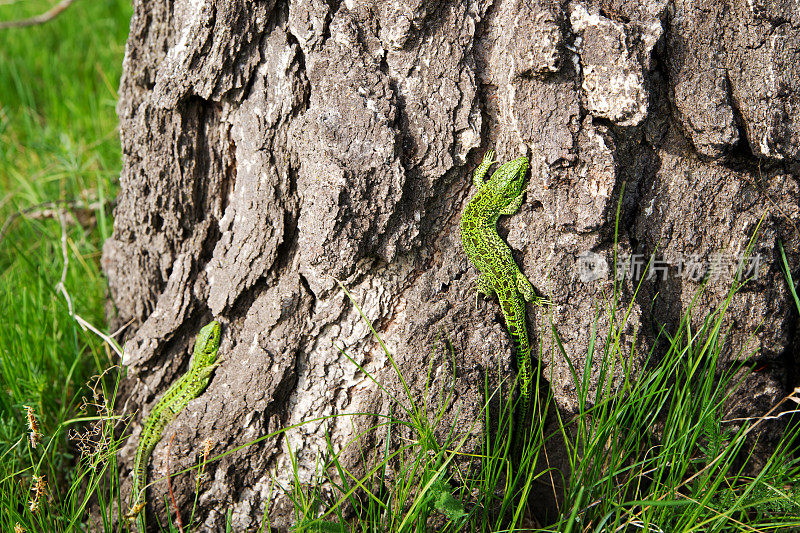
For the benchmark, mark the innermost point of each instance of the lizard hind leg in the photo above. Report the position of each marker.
(524, 287)
(483, 288)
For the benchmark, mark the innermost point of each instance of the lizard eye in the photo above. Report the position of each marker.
(213, 342)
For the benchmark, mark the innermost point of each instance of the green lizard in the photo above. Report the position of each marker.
(501, 195)
(188, 387)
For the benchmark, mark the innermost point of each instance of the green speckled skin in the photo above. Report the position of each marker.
(186, 388)
(501, 195)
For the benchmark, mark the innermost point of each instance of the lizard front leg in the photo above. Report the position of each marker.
(483, 169)
(514, 206)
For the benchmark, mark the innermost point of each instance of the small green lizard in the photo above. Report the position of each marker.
(188, 387)
(501, 195)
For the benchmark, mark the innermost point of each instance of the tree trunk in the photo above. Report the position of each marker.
(273, 148)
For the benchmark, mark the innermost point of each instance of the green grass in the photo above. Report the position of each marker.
(58, 147)
(654, 455)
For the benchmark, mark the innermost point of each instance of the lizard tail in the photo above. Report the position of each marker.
(138, 491)
(522, 415)
(138, 500)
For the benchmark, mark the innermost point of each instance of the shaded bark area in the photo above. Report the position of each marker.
(274, 147)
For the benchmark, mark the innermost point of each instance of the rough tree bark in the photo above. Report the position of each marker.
(273, 147)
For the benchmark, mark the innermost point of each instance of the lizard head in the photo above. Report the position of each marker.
(207, 344)
(509, 179)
